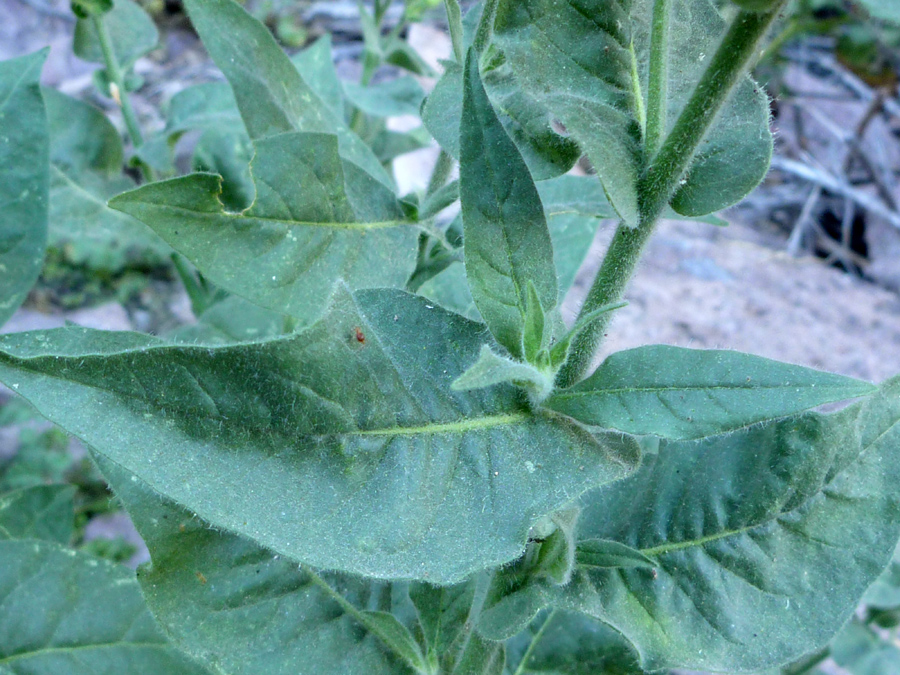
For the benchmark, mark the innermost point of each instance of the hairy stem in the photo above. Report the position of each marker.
(116, 77)
(442, 170)
(658, 89)
(485, 26)
(662, 177)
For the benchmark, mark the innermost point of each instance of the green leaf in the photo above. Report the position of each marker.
(341, 446)
(886, 10)
(24, 179)
(746, 530)
(507, 240)
(588, 63)
(228, 155)
(271, 94)
(885, 592)
(40, 512)
(67, 612)
(132, 31)
(86, 8)
(527, 122)
(445, 618)
(605, 553)
(239, 608)
(685, 394)
(480, 657)
(492, 369)
(859, 650)
(570, 643)
(231, 320)
(86, 160)
(207, 106)
(316, 66)
(400, 96)
(315, 219)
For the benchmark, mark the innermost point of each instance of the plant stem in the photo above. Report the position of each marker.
(485, 26)
(442, 169)
(523, 664)
(114, 71)
(662, 177)
(658, 88)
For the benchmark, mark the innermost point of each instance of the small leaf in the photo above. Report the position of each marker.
(606, 553)
(370, 462)
(315, 219)
(132, 31)
(444, 617)
(396, 636)
(316, 66)
(24, 179)
(67, 612)
(533, 331)
(40, 512)
(507, 240)
(556, 559)
(399, 96)
(685, 394)
(492, 369)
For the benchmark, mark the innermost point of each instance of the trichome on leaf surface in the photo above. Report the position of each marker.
(381, 449)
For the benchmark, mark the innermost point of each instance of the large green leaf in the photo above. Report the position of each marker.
(66, 612)
(316, 218)
(507, 243)
(341, 446)
(587, 62)
(234, 605)
(24, 179)
(86, 160)
(40, 512)
(316, 66)
(272, 95)
(764, 539)
(685, 394)
(131, 29)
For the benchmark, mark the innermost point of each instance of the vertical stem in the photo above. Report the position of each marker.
(485, 26)
(454, 21)
(114, 70)
(440, 174)
(658, 89)
(662, 177)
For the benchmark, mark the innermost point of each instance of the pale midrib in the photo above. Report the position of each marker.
(372, 225)
(460, 427)
(670, 548)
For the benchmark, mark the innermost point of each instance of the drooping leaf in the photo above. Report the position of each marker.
(685, 394)
(507, 243)
(370, 462)
(131, 29)
(491, 369)
(606, 553)
(315, 219)
(86, 160)
(587, 62)
(746, 531)
(272, 95)
(24, 179)
(40, 512)
(67, 612)
(570, 643)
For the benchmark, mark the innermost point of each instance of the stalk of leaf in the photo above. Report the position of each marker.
(665, 171)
